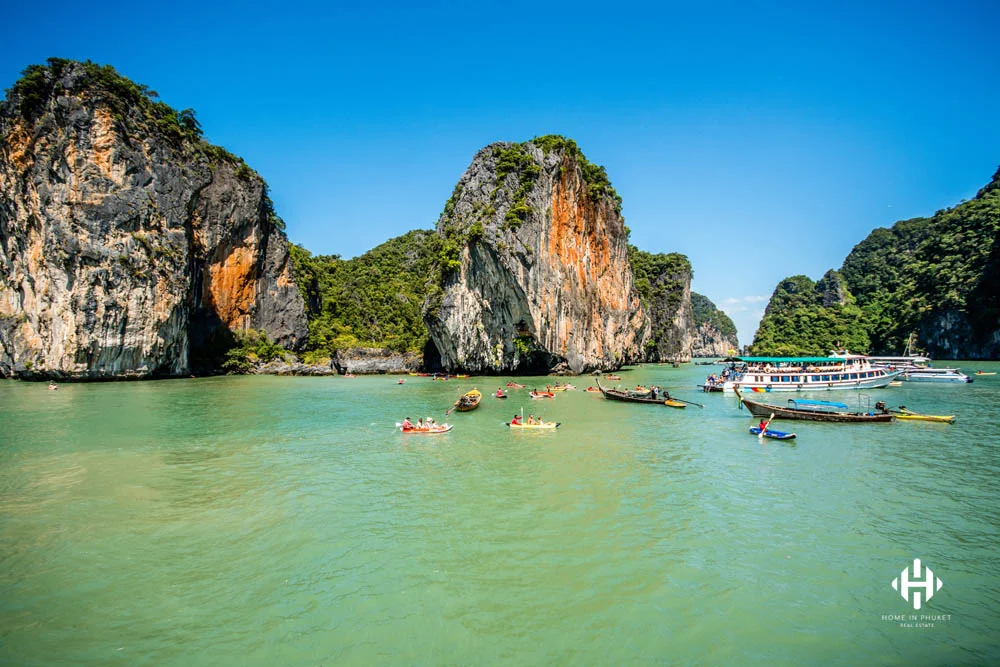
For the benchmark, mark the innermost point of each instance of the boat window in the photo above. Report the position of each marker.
(784, 378)
(815, 378)
(795, 378)
(854, 376)
(826, 378)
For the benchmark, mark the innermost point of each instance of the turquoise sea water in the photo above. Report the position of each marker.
(267, 521)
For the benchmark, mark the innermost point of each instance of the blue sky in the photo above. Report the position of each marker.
(761, 139)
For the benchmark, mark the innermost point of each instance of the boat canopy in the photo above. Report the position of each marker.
(825, 404)
(788, 360)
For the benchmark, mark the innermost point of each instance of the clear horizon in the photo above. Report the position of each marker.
(760, 142)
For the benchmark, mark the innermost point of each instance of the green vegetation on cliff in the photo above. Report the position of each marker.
(706, 312)
(810, 318)
(39, 84)
(596, 176)
(660, 277)
(907, 276)
(938, 277)
(661, 280)
(374, 300)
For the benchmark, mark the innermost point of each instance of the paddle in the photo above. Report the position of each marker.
(674, 398)
(452, 409)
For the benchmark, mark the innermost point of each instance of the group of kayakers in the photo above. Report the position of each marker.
(532, 420)
(421, 424)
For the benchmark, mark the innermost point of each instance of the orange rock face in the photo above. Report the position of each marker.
(553, 292)
(231, 288)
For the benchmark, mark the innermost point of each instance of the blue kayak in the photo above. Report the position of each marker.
(777, 435)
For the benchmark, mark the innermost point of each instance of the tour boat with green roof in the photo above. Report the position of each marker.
(765, 374)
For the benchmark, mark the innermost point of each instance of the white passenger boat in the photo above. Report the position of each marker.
(935, 375)
(763, 374)
(904, 363)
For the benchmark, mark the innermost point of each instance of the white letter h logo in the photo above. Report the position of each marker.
(930, 584)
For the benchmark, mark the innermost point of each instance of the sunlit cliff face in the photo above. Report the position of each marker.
(112, 236)
(560, 281)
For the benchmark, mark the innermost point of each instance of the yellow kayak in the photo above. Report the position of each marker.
(948, 419)
(674, 404)
(542, 426)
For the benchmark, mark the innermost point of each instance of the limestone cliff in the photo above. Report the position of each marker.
(534, 271)
(715, 333)
(128, 246)
(663, 281)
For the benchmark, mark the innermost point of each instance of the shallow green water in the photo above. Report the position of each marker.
(270, 520)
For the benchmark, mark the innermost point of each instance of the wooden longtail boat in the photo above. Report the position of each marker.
(636, 397)
(817, 411)
(469, 401)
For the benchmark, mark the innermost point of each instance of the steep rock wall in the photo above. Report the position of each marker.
(534, 272)
(663, 281)
(125, 249)
(714, 333)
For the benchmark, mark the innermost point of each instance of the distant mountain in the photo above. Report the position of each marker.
(936, 278)
(714, 331)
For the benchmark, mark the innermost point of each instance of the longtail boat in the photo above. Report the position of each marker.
(817, 411)
(639, 397)
(469, 401)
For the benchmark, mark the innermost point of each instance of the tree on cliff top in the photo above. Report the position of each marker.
(810, 318)
(40, 85)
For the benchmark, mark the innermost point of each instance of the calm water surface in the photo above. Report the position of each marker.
(268, 521)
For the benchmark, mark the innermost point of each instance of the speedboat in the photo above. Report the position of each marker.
(935, 375)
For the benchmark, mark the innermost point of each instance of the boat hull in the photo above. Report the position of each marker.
(947, 379)
(804, 414)
(774, 435)
(534, 427)
(428, 431)
(615, 395)
(946, 419)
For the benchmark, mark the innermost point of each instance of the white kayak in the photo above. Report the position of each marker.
(536, 426)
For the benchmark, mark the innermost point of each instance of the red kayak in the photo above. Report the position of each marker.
(514, 385)
(442, 428)
(500, 394)
(542, 394)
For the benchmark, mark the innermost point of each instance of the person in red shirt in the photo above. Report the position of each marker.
(516, 421)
